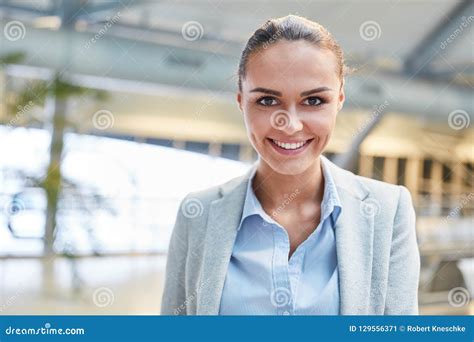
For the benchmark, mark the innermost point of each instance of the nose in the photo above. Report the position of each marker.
(294, 123)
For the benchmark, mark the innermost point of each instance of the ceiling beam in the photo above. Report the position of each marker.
(115, 58)
(419, 60)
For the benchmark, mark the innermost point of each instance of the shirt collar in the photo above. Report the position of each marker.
(331, 204)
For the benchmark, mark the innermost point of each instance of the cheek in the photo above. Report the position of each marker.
(322, 124)
(258, 124)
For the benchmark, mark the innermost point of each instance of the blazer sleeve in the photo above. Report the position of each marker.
(173, 301)
(404, 265)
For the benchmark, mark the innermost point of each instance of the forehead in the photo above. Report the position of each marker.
(298, 65)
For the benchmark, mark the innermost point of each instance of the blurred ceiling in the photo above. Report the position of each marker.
(175, 61)
(400, 28)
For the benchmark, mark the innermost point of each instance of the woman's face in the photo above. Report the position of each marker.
(290, 97)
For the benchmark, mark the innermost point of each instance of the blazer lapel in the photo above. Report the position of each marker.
(354, 237)
(354, 243)
(224, 217)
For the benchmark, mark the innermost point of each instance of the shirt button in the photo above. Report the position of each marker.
(286, 313)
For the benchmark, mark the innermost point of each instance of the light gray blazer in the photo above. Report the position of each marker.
(377, 251)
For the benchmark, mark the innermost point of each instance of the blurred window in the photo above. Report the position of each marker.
(230, 151)
(198, 147)
(427, 166)
(401, 169)
(378, 168)
(447, 173)
(469, 174)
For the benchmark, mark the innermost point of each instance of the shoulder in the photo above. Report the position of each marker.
(391, 199)
(388, 199)
(382, 190)
(206, 196)
(195, 207)
(391, 206)
(395, 195)
(359, 186)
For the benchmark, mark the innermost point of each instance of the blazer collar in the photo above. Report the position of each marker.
(354, 242)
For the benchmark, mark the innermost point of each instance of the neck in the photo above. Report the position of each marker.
(273, 188)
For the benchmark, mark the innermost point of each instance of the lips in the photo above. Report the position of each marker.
(289, 147)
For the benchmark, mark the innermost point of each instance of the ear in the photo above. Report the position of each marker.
(341, 98)
(239, 100)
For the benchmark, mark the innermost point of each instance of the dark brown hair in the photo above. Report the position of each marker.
(291, 28)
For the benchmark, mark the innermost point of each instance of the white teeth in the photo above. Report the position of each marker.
(288, 146)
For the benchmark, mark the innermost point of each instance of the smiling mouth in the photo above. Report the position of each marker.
(294, 146)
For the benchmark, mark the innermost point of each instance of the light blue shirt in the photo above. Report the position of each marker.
(261, 280)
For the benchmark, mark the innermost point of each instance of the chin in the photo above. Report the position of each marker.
(291, 167)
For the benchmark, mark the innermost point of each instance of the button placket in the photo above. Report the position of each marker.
(295, 267)
(283, 296)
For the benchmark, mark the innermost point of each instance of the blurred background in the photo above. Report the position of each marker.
(112, 111)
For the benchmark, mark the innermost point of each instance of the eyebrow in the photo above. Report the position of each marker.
(277, 93)
(315, 90)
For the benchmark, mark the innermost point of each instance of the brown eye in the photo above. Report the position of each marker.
(313, 101)
(267, 101)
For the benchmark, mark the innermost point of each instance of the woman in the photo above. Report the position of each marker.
(296, 235)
